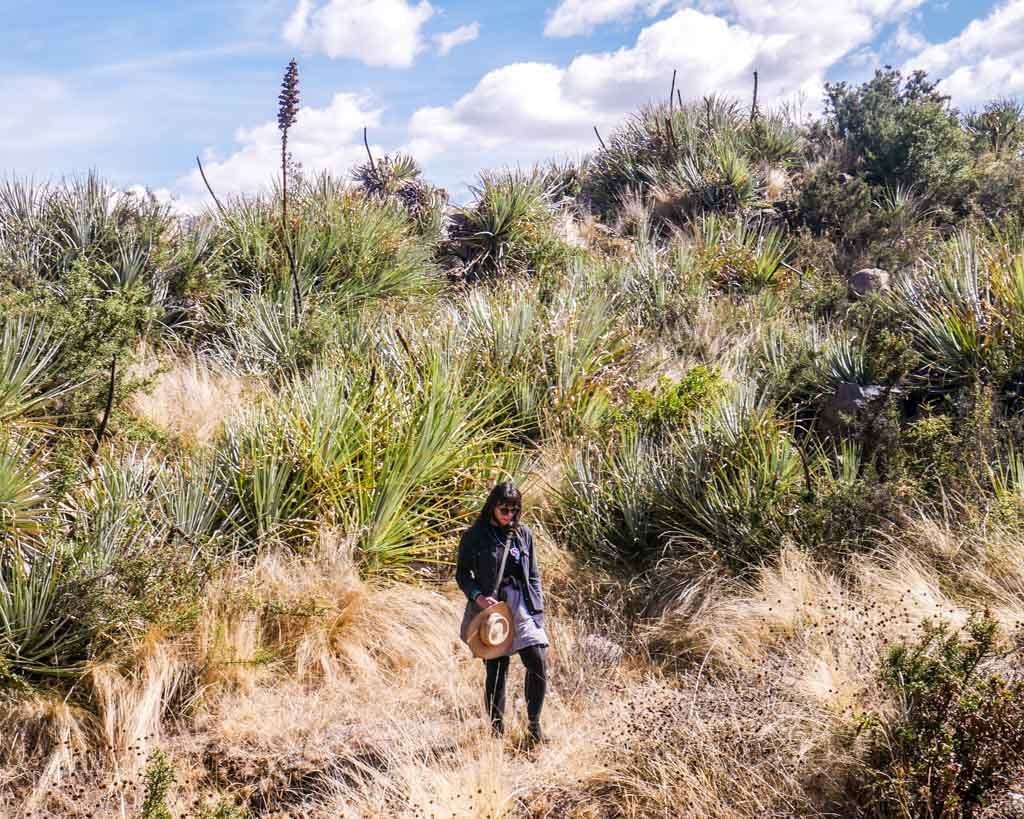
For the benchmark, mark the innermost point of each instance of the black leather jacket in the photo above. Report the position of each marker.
(480, 553)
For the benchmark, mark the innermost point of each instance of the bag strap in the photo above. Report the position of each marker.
(504, 557)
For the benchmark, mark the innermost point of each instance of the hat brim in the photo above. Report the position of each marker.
(484, 650)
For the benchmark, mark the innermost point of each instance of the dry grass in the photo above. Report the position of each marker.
(190, 399)
(307, 691)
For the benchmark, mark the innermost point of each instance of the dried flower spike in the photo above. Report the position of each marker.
(288, 99)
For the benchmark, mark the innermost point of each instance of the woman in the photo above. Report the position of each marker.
(480, 553)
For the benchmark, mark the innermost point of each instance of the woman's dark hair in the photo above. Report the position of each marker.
(503, 493)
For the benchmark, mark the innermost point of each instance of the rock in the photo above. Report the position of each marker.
(849, 399)
(868, 280)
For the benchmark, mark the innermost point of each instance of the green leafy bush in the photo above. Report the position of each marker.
(158, 778)
(94, 325)
(670, 404)
(902, 131)
(957, 736)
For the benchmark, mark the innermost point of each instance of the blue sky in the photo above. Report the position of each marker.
(136, 90)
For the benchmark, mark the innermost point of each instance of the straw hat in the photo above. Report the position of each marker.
(489, 634)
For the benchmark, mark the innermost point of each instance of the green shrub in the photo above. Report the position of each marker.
(94, 325)
(606, 507)
(348, 248)
(158, 778)
(707, 155)
(738, 257)
(735, 487)
(725, 489)
(835, 203)
(670, 404)
(957, 736)
(902, 131)
(550, 364)
(393, 459)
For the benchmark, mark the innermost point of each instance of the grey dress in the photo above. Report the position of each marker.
(479, 561)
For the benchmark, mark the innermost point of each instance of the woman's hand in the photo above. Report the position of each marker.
(485, 602)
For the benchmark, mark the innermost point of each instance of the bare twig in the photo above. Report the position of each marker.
(206, 182)
(293, 271)
(672, 90)
(366, 142)
(408, 351)
(753, 105)
(598, 133)
(102, 430)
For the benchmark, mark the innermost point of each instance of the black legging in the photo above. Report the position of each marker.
(533, 658)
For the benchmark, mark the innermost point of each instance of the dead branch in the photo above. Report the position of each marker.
(206, 182)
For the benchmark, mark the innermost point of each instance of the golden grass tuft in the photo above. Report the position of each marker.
(190, 399)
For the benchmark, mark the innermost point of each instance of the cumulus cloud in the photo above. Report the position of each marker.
(985, 60)
(378, 32)
(448, 40)
(322, 139)
(573, 17)
(527, 111)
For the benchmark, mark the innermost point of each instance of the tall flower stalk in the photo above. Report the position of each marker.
(287, 113)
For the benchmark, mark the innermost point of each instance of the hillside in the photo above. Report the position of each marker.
(760, 378)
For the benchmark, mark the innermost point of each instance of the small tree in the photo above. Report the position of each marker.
(903, 132)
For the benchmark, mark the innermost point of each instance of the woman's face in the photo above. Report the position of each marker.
(505, 512)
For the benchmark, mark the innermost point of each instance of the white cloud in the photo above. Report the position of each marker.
(327, 138)
(907, 40)
(378, 32)
(43, 112)
(984, 61)
(528, 111)
(447, 40)
(574, 17)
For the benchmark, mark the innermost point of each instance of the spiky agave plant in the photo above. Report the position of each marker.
(23, 494)
(27, 353)
(735, 483)
(962, 309)
(40, 631)
(510, 220)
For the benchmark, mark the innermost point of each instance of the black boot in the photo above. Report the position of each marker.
(494, 693)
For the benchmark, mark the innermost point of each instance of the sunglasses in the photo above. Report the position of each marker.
(508, 510)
